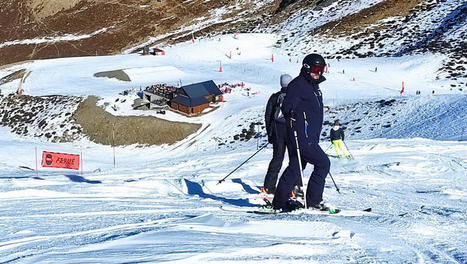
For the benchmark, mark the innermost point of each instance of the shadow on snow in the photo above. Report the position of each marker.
(195, 188)
(76, 178)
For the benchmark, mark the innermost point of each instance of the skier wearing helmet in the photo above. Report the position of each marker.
(303, 110)
(275, 126)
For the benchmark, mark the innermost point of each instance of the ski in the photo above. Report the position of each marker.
(253, 210)
(267, 211)
(259, 210)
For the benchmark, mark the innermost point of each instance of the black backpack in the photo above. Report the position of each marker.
(278, 116)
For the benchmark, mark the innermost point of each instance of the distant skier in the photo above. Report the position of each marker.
(303, 111)
(337, 139)
(275, 127)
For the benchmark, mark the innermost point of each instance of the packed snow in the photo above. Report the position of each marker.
(161, 204)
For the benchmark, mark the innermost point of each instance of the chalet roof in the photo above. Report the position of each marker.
(201, 89)
(191, 102)
(194, 94)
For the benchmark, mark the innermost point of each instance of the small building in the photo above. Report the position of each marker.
(194, 98)
(158, 52)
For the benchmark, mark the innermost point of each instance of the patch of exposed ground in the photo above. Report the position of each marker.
(117, 74)
(105, 128)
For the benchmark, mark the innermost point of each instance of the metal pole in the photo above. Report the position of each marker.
(300, 164)
(81, 150)
(351, 156)
(337, 188)
(328, 147)
(258, 136)
(113, 141)
(220, 181)
(37, 170)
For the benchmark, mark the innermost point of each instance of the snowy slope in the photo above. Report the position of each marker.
(160, 204)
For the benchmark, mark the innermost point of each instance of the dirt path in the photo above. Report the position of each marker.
(104, 128)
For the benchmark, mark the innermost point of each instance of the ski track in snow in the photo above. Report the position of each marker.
(155, 218)
(160, 204)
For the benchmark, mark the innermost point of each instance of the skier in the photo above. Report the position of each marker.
(337, 138)
(303, 111)
(275, 127)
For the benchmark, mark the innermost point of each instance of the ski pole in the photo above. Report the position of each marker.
(220, 181)
(300, 164)
(337, 188)
(348, 149)
(328, 147)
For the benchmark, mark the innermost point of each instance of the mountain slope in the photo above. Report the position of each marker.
(336, 28)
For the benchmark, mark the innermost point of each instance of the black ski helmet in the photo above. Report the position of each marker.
(313, 60)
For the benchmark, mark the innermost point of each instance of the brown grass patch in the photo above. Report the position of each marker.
(105, 128)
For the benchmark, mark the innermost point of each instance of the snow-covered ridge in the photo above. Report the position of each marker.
(66, 37)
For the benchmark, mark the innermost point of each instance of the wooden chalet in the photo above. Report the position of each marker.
(194, 98)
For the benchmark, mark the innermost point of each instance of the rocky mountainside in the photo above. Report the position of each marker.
(62, 28)
(46, 117)
(386, 28)
(338, 28)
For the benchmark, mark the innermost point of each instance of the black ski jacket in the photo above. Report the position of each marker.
(336, 134)
(269, 115)
(304, 104)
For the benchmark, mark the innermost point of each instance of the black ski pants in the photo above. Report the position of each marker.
(312, 153)
(278, 152)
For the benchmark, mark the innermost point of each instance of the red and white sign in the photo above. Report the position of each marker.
(60, 160)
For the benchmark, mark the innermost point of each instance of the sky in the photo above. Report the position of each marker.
(162, 204)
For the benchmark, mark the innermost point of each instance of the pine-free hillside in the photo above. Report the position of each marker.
(337, 28)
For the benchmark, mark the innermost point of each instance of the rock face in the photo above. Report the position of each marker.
(46, 117)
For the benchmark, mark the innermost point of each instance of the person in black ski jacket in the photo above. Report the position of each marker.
(303, 111)
(275, 127)
(337, 133)
(337, 139)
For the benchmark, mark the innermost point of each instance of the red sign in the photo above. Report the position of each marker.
(60, 160)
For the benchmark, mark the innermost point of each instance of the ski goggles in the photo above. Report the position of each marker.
(314, 69)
